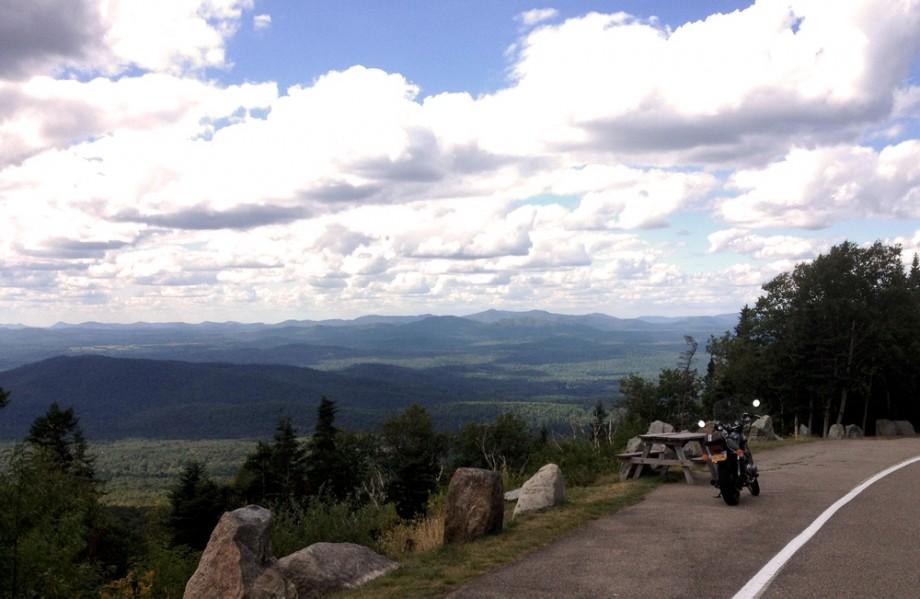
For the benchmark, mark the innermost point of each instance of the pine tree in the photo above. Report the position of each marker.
(276, 472)
(327, 471)
(58, 434)
(4, 397)
(197, 504)
(415, 451)
(913, 278)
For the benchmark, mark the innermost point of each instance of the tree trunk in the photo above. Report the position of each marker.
(796, 425)
(827, 416)
(846, 383)
(866, 407)
(811, 415)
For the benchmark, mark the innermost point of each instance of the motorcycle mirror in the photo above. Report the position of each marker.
(756, 403)
(701, 423)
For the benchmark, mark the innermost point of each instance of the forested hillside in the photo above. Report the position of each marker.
(231, 380)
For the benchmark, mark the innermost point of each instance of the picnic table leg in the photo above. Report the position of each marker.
(684, 463)
(646, 448)
(664, 468)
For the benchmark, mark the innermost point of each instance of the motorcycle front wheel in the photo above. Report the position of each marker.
(755, 488)
(728, 485)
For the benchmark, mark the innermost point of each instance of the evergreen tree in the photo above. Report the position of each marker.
(415, 451)
(276, 472)
(4, 397)
(196, 503)
(58, 433)
(327, 472)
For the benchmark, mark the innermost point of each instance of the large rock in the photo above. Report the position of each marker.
(475, 504)
(512, 495)
(544, 489)
(836, 432)
(854, 432)
(885, 428)
(634, 445)
(324, 568)
(656, 428)
(905, 428)
(238, 561)
(804, 431)
(762, 430)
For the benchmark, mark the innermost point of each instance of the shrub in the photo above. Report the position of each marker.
(323, 520)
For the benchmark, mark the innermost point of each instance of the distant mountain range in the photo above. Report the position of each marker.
(172, 380)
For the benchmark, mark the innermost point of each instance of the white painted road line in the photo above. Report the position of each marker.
(759, 583)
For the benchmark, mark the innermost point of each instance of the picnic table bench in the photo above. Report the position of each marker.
(635, 462)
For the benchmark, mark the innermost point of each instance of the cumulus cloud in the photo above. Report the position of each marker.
(109, 36)
(767, 247)
(814, 188)
(355, 191)
(37, 34)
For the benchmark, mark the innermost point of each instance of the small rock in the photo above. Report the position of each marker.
(904, 428)
(544, 489)
(885, 428)
(238, 560)
(762, 430)
(804, 431)
(512, 495)
(474, 504)
(854, 432)
(324, 568)
(836, 432)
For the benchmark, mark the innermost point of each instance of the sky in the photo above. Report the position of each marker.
(261, 160)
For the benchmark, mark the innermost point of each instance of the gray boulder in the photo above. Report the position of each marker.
(804, 431)
(659, 426)
(762, 430)
(238, 560)
(634, 445)
(854, 432)
(836, 432)
(885, 428)
(904, 428)
(544, 489)
(324, 568)
(656, 428)
(475, 505)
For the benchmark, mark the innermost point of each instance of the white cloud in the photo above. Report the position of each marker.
(534, 16)
(261, 22)
(814, 188)
(352, 193)
(765, 247)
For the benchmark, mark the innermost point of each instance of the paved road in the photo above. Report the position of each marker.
(682, 542)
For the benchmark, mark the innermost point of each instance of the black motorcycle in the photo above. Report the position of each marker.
(734, 465)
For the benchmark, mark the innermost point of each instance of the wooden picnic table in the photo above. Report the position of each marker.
(674, 441)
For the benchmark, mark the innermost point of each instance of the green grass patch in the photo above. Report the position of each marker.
(443, 570)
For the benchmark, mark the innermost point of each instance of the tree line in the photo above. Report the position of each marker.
(833, 341)
(58, 538)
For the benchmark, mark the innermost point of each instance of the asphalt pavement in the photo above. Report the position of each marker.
(681, 541)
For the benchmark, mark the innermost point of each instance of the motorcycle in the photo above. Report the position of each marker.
(728, 449)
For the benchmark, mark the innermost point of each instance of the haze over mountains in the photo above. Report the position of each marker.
(209, 380)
